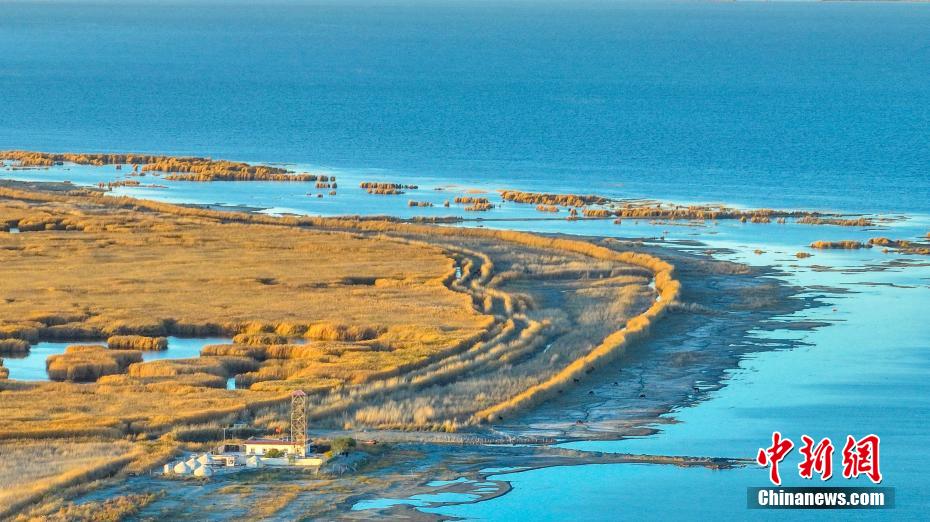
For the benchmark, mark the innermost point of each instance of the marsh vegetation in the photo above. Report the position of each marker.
(382, 324)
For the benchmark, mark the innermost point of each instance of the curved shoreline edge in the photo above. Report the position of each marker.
(610, 347)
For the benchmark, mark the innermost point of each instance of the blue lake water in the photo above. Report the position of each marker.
(786, 105)
(771, 104)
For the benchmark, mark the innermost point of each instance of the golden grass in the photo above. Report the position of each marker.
(137, 342)
(259, 339)
(399, 343)
(151, 271)
(596, 212)
(564, 200)
(87, 363)
(181, 168)
(379, 185)
(220, 366)
(814, 220)
(34, 469)
(846, 245)
(110, 510)
(13, 346)
(470, 200)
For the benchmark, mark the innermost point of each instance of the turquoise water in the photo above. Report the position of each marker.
(786, 105)
(865, 373)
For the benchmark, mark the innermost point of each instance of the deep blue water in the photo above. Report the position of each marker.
(822, 105)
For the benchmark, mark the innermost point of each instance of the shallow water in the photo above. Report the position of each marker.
(32, 367)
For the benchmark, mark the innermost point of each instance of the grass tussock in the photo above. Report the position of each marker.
(87, 363)
(259, 339)
(109, 510)
(562, 200)
(816, 220)
(845, 245)
(225, 366)
(385, 189)
(13, 347)
(471, 200)
(596, 212)
(341, 332)
(137, 342)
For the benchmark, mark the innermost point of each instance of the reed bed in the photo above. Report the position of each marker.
(259, 339)
(844, 245)
(385, 186)
(563, 200)
(322, 287)
(471, 200)
(137, 342)
(87, 363)
(225, 366)
(38, 468)
(890, 243)
(596, 213)
(180, 168)
(842, 222)
(13, 347)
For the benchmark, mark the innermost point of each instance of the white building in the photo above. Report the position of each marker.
(261, 446)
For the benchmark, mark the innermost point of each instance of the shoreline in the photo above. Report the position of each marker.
(658, 414)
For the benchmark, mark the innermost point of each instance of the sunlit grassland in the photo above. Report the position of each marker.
(31, 468)
(384, 324)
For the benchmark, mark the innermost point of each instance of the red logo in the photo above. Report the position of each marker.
(819, 459)
(860, 457)
(774, 454)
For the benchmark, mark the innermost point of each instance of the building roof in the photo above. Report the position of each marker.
(275, 442)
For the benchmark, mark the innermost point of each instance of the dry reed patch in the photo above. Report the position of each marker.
(180, 168)
(846, 245)
(87, 363)
(109, 510)
(13, 346)
(565, 200)
(120, 407)
(32, 469)
(151, 280)
(219, 366)
(137, 342)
